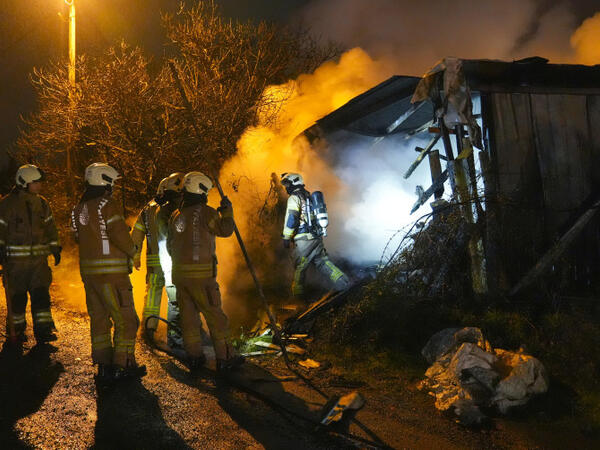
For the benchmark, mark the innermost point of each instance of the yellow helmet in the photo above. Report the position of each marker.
(28, 173)
(100, 174)
(197, 183)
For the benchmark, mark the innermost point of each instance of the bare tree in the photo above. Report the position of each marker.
(126, 110)
(226, 66)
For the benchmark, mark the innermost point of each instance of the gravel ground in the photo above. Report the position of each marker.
(48, 399)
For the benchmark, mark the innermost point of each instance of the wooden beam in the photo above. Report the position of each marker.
(421, 156)
(425, 195)
(436, 171)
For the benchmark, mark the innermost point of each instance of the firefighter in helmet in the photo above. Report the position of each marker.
(191, 243)
(301, 226)
(106, 254)
(152, 224)
(27, 236)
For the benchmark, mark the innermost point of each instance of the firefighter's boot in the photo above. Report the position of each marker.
(46, 334)
(229, 364)
(105, 375)
(132, 371)
(196, 363)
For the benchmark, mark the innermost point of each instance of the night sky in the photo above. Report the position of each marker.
(32, 33)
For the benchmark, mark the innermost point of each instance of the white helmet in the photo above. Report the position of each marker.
(28, 174)
(173, 182)
(197, 183)
(292, 179)
(100, 174)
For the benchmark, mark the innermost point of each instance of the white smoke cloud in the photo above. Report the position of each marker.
(376, 202)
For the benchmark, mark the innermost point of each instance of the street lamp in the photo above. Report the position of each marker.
(72, 58)
(72, 52)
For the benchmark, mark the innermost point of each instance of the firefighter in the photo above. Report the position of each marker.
(300, 227)
(27, 236)
(106, 254)
(191, 243)
(152, 224)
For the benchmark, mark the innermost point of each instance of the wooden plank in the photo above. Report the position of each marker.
(519, 195)
(424, 152)
(564, 154)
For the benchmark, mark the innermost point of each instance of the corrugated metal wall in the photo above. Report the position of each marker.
(546, 153)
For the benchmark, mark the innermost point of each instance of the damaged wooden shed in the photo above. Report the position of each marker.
(538, 135)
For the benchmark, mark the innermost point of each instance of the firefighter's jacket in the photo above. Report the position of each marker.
(299, 219)
(191, 239)
(105, 246)
(146, 226)
(27, 227)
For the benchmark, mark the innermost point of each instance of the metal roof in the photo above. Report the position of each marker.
(374, 112)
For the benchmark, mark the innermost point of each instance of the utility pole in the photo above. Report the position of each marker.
(72, 93)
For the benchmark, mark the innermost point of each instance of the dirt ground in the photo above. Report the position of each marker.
(48, 399)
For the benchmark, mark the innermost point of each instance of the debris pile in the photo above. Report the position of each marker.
(468, 374)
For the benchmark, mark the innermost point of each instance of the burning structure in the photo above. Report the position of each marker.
(519, 144)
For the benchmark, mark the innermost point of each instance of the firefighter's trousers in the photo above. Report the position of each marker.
(29, 275)
(110, 304)
(155, 282)
(202, 295)
(312, 251)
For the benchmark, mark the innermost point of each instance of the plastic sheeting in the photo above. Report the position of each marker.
(467, 374)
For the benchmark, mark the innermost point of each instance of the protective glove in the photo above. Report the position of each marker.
(226, 206)
(286, 243)
(56, 251)
(225, 202)
(2, 254)
(137, 261)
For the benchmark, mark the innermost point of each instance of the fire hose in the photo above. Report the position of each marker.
(278, 334)
(318, 426)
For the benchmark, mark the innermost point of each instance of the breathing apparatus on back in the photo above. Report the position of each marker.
(313, 205)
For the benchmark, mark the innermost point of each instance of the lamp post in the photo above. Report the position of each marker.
(72, 99)
(72, 41)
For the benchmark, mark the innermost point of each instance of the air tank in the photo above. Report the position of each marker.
(320, 210)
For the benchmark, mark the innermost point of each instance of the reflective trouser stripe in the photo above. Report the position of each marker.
(117, 317)
(18, 319)
(42, 317)
(336, 273)
(154, 289)
(101, 342)
(125, 345)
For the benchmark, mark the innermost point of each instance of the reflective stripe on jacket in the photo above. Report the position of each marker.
(191, 239)
(146, 226)
(295, 225)
(105, 245)
(27, 227)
